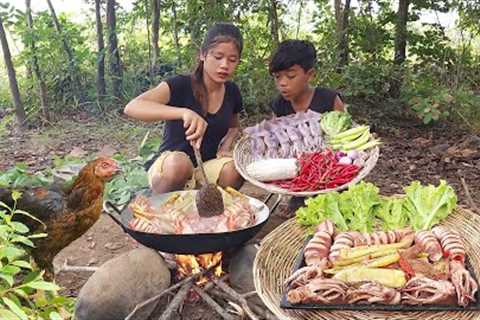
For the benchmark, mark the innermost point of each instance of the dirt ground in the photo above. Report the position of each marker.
(410, 152)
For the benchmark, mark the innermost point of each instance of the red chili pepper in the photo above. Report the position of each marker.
(406, 267)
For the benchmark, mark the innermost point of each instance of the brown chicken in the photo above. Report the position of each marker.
(66, 215)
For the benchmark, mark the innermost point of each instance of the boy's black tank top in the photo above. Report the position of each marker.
(323, 101)
(181, 95)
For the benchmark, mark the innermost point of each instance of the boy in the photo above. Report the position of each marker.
(292, 66)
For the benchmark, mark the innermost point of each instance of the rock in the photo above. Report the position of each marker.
(240, 269)
(114, 245)
(471, 142)
(440, 148)
(114, 290)
(241, 273)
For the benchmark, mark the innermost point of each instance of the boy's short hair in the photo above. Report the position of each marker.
(291, 52)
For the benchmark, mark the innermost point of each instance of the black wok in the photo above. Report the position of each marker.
(190, 243)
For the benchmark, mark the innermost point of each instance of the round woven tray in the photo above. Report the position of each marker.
(242, 157)
(276, 257)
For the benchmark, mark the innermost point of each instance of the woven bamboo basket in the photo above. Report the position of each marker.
(276, 257)
(242, 157)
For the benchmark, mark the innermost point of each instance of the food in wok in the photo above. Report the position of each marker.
(179, 215)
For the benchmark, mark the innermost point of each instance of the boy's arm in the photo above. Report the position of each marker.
(225, 149)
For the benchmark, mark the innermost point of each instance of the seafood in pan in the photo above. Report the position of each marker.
(178, 215)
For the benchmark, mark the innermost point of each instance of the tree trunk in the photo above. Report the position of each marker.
(400, 47)
(175, 33)
(74, 72)
(114, 55)
(342, 50)
(338, 16)
(101, 87)
(401, 32)
(36, 69)
(155, 31)
(12, 78)
(274, 22)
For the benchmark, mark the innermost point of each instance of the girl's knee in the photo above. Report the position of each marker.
(177, 164)
(229, 176)
(177, 169)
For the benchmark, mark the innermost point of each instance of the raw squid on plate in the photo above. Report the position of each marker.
(383, 267)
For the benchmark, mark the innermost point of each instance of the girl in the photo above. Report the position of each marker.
(201, 111)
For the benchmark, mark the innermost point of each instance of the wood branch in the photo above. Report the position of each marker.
(469, 196)
(189, 279)
(258, 309)
(247, 295)
(236, 297)
(68, 268)
(176, 301)
(218, 308)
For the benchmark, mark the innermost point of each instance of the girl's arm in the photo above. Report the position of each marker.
(152, 106)
(225, 149)
(338, 104)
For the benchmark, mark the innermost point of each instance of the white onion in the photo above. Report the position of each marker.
(345, 160)
(353, 154)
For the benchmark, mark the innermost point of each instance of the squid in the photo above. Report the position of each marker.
(318, 247)
(379, 237)
(316, 256)
(422, 290)
(429, 243)
(319, 290)
(465, 285)
(372, 292)
(451, 242)
(343, 240)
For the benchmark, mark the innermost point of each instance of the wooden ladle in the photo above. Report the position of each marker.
(209, 200)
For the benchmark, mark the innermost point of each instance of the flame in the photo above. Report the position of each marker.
(191, 264)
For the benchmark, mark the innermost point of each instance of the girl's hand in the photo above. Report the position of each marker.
(195, 127)
(224, 154)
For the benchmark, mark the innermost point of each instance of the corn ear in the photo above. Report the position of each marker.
(391, 278)
(350, 261)
(356, 252)
(384, 261)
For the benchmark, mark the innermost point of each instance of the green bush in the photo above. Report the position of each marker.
(24, 294)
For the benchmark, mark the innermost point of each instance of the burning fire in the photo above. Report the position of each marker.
(191, 264)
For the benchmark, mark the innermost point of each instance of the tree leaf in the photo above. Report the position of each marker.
(22, 264)
(30, 216)
(24, 240)
(55, 316)
(15, 308)
(8, 278)
(19, 227)
(11, 252)
(8, 315)
(10, 269)
(43, 285)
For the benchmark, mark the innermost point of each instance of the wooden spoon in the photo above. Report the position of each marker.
(208, 199)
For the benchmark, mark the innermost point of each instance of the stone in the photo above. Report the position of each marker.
(121, 283)
(240, 272)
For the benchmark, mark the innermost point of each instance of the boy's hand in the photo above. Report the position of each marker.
(195, 127)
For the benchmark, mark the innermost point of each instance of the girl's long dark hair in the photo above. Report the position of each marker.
(219, 33)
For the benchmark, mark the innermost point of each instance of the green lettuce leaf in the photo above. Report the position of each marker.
(392, 213)
(320, 208)
(335, 122)
(358, 205)
(428, 205)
